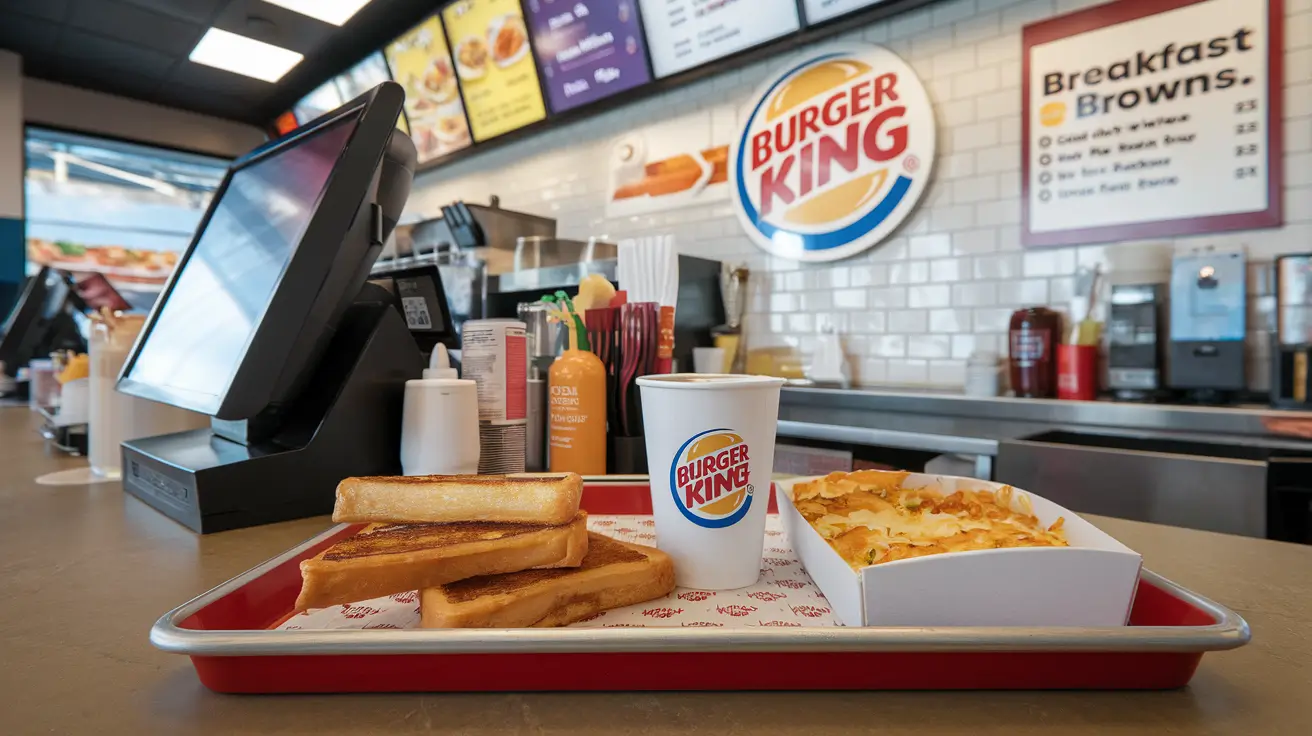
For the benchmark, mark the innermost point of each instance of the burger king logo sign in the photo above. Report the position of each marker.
(834, 154)
(710, 479)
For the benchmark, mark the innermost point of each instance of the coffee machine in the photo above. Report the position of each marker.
(1291, 348)
(1209, 293)
(1137, 336)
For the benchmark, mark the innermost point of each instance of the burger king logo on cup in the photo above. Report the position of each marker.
(709, 479)
(835, 153)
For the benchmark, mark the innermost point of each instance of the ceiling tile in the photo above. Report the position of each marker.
(134, 25)
(209, 102)
(196, 11)
(88, 48)
(189, 74)
(138, 48)
(138, 86)
(55, 10)
(30, 37)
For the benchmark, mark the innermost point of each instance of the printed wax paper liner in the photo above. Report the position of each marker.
(784, 595)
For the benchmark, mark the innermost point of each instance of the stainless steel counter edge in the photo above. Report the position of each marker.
(1235, 420)
(1229, 631)
(888, 438)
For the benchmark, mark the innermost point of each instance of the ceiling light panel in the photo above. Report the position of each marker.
(242, 55)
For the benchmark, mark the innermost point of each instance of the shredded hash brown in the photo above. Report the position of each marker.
(869, 518)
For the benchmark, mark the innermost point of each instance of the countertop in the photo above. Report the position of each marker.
(942, 421)
(86, 570)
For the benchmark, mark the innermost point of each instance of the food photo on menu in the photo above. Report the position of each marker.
(587, 51)
(123, 264)
(421, 63)
(496, 70)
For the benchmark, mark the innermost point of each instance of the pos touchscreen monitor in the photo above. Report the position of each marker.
(272, 266)
(268, 326)
(40, 323)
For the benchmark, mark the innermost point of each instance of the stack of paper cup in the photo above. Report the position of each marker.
(494, 353)
(710, 450)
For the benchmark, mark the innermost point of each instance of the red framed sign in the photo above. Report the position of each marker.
(1152, 118)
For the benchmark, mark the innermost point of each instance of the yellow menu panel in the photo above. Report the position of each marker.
(421, 62)
(496, 69)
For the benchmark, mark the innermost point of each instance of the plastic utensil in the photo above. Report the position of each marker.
(648, 270)
(630, 354)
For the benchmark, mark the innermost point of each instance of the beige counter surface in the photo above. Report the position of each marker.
(86, 570)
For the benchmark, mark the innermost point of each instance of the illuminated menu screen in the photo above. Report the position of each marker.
(682, 34)
(587, 50)
(496, 70)
(327, 97)
(421, 62)
(818, 11)
(363, 77)
(343, 88)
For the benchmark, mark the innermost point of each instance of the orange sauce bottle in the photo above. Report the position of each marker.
(576, 413)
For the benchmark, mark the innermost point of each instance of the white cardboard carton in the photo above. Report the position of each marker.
(1090, 583)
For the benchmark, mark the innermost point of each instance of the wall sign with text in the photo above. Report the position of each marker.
(834, 154)
(587, 51)
(1152, 118)
(818, 11)
(683, 34)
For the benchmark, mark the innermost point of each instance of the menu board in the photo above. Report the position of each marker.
(363, 76)
(818, 11)
(343, 88)
(682, 34)
(421, 62)
(587, 51)
(1147, 124)
(495, 67)
(324, 99)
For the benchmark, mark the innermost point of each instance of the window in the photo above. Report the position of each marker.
(125, 210)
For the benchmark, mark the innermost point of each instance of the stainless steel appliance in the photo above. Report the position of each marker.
(1136, 337)
(1208, 323)
(544, 344)
(500, 252)
(1256, 489)
(519, 258)
(1292, 344)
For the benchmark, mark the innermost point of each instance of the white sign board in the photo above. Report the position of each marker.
(818, 11)
(682, 34)
(1146, 118)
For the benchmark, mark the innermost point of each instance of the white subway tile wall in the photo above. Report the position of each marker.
(945, 284)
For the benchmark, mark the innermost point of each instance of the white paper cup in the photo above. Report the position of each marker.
(710, 451)
(708, 360)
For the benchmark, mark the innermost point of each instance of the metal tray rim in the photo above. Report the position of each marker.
(1229, 632)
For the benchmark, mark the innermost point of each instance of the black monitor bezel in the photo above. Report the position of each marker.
(254, 385)
(25, 316)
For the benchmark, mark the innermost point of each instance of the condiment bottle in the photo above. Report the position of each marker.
(439, 421)
(576, 409)
(1033, 339)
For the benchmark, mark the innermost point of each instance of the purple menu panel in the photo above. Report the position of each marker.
(587, 50)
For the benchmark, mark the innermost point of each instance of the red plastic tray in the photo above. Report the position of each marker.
(227, 632)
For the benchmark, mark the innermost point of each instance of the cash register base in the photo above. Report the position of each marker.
(346, 422)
